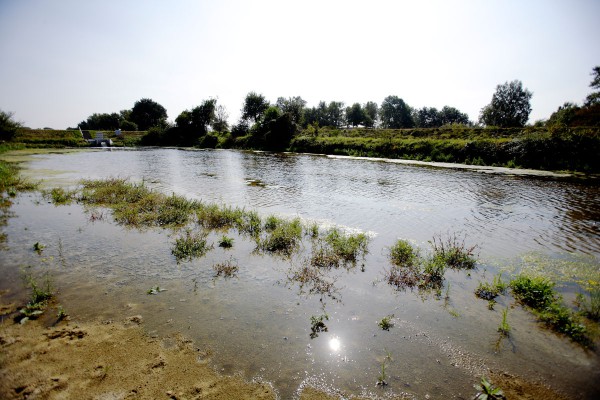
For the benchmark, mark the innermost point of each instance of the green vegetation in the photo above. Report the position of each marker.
(317, 325)
(590, 304)
(60, 196)
(504, 327)
(539, 295)
(191, 245)
(155, 290)
(41, 294)
(226, 242)
(381, 380)
(226, 269)
(386, 322)
(410, 269)
(489, 291)
(284, 237)
(38, 247)
(487, 391)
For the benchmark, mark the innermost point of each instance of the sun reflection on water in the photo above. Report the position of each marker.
(334, 344)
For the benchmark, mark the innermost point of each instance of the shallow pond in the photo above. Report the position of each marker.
(258, 323)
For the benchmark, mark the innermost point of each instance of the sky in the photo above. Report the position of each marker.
(63, 60)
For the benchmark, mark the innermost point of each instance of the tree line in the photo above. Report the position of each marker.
(272, 125)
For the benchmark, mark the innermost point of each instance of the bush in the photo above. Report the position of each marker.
(8, 127)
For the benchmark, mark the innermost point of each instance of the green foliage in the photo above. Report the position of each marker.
(534, 291)
(402, 254)
(348, 247)
(395, 113)
(453, 252)
(382, 376)
(504, 327)
(386, 322)
(590, 303)
(254, 106)
(486, 391)
(60, 196)
(8, 126)
(283, 239)
(191, 245)
(226, 242)
(594, 97)
(147, 114)
(38, 247)
(317, 325)
(489, 291)
(510, 106)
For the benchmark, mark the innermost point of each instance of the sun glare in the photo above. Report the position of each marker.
(334, 344)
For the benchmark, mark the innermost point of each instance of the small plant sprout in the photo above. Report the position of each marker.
(61, 313)
(487, 391)
(504, 327)
(155, 290)
(38, 247)
(386, 322)
(226, 242)
(381, 380)
(228, 268)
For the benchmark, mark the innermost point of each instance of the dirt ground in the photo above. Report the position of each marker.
(116, 360)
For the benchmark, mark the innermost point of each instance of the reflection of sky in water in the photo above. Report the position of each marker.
(259, 326)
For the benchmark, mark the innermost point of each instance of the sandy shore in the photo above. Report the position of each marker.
(116, 360)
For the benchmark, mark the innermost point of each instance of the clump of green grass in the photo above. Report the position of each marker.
(348, 247)
(381, 379)
(60, 196)
(386, 322)
(317, 325)
(454, 252)
(191, 245)
(489, 291)
(534, 291)
(403, 254)
(226, 269)
(504, 327)
(538, 293)
(283, 239)
(226, 242)
(272, 222)
(213, 216)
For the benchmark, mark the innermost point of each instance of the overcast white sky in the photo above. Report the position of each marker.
(63, 60)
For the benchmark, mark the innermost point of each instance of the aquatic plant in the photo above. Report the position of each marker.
(213, 216)
(61, 313)
(590, 304)
(191, 245)
(403, 254)
(386, 322)
(41, 293)
(348, 247)
(489, 291)
(312, 281)
(227, 269)
(487, 391)
(60, 196)
(226, 242)
(381, 380)
(283, 239)
(504, 327)
(536, 292)
(317, 325)
(38, 247)
(453, 252)
(155, 290)
(272, 222)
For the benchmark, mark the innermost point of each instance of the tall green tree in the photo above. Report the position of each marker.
(293, 106)
(510, 106)
(371, 110)
(395, 113)
(355, 115)
(427, 117)
(594, 97)
(147, 113)
(451, 115)
(220, 123)
(335, 114)
(193, 124)
(254, 106)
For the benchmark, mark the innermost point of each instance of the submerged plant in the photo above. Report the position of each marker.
(60, 196)
(317, 325)
(489, 291)
(487, 391)
(38, 247)
(534, 291)
(190, 246)
(155, 290)
(228, 268)
(381, 380)
(386, 322)
(283, 239)
(590, 305)
(41, 293)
